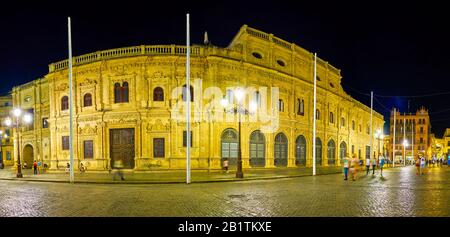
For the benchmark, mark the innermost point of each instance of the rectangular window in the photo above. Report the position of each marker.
(45, 123)
(65, 142)
(185, 138)
(158, 147)
(89, 149)
(367, 152)
(8, 155)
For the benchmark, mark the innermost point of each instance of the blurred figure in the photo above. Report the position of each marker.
(354, 167)
(118, 165)
(367, 166)
(422, 164)
(225, 165)
(381, 161)
(35, 167)
(25, 165)
(373, 162)
(67, 168)
(346, 164)
(417, 165)
(39, 166)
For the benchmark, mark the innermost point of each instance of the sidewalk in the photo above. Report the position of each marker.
(167, 177)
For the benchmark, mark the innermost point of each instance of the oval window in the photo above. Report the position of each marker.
(331, 84)
(281, 63)
(257, 55)
(318, 78)
(27, 99)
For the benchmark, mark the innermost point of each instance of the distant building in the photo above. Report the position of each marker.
(6, 135)
(415, 129)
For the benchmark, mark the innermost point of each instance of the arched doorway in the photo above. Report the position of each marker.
(257, 149)
(318, 151)
(281, 147)
(229, 144)
(331, 152)
(342, 151)
(28, 156)
(300, 150)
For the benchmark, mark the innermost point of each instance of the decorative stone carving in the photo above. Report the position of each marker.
(62, 87)
(87, 130)
(158, 126)
(88, 82)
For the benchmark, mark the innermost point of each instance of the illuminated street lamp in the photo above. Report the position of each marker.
(405, 144)
(379, 136)
(25, 119)
(239, 109)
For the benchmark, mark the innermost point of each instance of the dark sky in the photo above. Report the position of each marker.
(393, 48)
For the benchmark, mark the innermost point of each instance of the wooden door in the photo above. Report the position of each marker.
(122, 147)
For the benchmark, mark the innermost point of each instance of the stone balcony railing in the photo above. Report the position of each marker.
(126, 52)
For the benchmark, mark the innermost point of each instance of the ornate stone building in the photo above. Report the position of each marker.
(415, 129)
(126, 104)
(6, 133)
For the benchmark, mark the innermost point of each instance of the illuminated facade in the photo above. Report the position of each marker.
(407, 126)
(6, 134)
(125, 98)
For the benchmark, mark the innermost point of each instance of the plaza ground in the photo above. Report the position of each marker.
(399, 193)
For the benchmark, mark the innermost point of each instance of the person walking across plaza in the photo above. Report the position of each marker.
(354, 167)
(381, 163)
(422, 164)
(225, 165)
(39, 167)
(118, 165)
(346, 165)
(418, 165)
(367, 165)
(373, 162)
(35, 167)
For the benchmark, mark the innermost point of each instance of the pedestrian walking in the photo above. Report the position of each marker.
(354, 167)
(346, 165)
(118, 165)
(422, 165)
(39, 166)
(225, 165)
(367, 166)
(35, 167)
(381, 161)
(67, 170)
(373, 162)
(418, 165)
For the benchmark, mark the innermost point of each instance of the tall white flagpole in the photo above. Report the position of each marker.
(412, 140)
(188, 104)
(393, 146)
(371, 123)
(70, 103)
(314, 114)
(404, 139)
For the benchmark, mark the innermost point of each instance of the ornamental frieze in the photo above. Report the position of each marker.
(87, 130)
(62, 87)
(88, 82)
(158, 126)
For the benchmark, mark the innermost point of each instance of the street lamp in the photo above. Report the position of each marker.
(26, 119)
(405, 144)
(238, 109)
(1, 149)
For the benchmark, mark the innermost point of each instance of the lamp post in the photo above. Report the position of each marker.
(405, 144)
(238, 109)
(26, 118)
(379, 136)
(1, 149)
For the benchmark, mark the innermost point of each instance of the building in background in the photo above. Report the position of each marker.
(124, 98)
(6, 134)
(408, 127)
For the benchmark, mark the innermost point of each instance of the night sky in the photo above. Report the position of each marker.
(395, 49)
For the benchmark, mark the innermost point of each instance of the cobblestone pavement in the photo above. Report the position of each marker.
(399, 193)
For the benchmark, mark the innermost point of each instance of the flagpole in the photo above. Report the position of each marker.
(393, 146)
(188, 104)
(371, 123)
(314, 114)
(70, 102)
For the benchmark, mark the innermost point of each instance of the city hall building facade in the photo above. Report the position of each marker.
(124, 101)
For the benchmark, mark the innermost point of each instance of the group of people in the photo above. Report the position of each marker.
(351, 165)
(37, 167)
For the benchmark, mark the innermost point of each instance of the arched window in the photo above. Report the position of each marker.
(317, 114)
(87, 100)
(65, 103)
(117, 97)
(257, 98)
(318, 151)
(158, 94)
(342, 151)
(342, 122)
(331, 117)
(257, 149)
(281, 150)
(125, 92)
(331, 152)
(300, 150)
(230, 146)
(191, 93)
